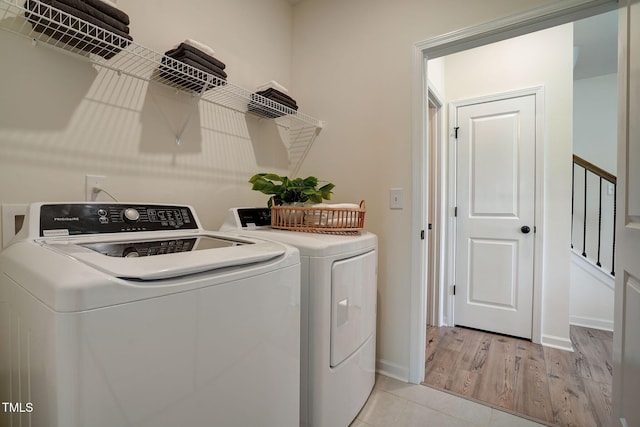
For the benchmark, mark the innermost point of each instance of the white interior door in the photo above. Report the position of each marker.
(626, 342)
(495, 215)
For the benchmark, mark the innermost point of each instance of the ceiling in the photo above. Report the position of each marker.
(595, 42)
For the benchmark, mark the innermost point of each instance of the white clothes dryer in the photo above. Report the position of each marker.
(115, 314)
(338, 315)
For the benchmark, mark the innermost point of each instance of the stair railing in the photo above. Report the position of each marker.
(583, 172)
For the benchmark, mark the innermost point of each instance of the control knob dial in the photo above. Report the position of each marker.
(131, 215)
(130, 252)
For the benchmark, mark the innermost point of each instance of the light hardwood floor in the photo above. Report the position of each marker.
(552, 386)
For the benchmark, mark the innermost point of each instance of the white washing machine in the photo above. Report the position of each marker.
(338, 316)
(133, 315)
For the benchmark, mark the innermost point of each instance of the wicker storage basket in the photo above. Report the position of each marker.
(320, 219)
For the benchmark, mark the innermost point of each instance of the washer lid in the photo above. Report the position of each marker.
(166, 257)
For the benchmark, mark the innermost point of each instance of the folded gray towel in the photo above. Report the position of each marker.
(254, 108)
(211, 70)
(189, 79)
(92, 40)
(86, 8)
(112, 11)
(63, 6)
(278, 96)
(184, 49)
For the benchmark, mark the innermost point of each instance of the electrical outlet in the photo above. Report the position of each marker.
(91, 182)
(13, 216)
(395, 198)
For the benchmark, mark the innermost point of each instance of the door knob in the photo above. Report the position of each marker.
(525, 229)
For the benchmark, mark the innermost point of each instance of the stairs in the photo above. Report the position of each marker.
(593, 214)
(593, 246)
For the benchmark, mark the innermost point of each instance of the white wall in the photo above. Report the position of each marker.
(595, 112)
(352, 63)
(592, 295)
(61, 118)
(437, 75)
(542, 58)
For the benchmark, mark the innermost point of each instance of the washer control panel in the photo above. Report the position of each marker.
(71, 219)
(254, 217)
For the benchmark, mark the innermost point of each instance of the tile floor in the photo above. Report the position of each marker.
(394, 403)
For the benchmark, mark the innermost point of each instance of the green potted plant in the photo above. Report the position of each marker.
(288, 191)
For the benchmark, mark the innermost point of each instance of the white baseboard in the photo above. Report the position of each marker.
(556, 342)
(590, 322)
(393, 370)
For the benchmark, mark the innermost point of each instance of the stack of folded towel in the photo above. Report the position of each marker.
(196, 55)
(103, 14)
(275, 92)
(334, 215)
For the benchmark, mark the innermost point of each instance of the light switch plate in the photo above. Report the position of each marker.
(396, 198)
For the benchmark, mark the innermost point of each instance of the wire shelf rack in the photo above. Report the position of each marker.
(47, 25)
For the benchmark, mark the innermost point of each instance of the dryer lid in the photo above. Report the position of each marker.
(166, 257)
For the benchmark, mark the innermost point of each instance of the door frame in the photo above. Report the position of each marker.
(555, 13)
(538, 225)
(627, 282)
(436, 191)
